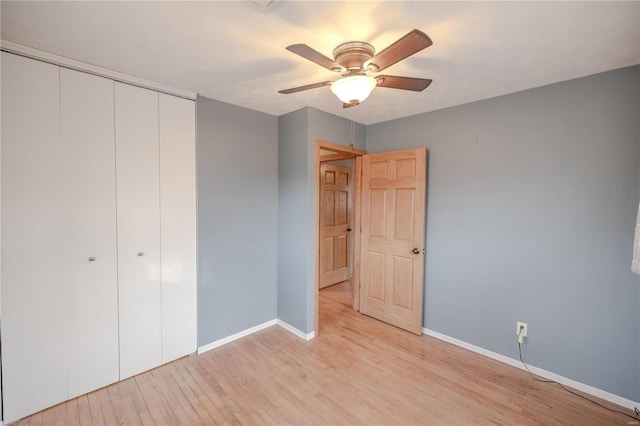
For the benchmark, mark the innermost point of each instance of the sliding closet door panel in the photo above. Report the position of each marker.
(88, 169)
(34, 300)
(138, 213)
(178, 226)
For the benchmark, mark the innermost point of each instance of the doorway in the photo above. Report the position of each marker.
(336, 230)
(337, 219)
(387, 255)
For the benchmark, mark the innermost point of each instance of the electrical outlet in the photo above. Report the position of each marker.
(521, 329)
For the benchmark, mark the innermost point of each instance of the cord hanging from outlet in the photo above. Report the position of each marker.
(637, 412)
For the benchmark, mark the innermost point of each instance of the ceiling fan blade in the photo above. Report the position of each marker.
(405, 83)
(411, 43)
(305, 87)
(314, 56)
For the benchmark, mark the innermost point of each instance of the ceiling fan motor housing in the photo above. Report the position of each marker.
(352, 55)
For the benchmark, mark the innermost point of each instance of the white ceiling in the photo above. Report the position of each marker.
(235, 51)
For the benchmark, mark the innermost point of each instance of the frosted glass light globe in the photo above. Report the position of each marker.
(353, 88)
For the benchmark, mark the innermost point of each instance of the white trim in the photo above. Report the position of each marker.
(295, 331)
(252, 330)
(607, 396)
(236, 336)
(73, 64)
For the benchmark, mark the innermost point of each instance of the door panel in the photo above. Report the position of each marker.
(393, 202)
(34, 273)
(178, 225)
(335, 188)
(404, 214)
(88, 157)
(376, 275)
(377, 217)
(138, 198)
(340, 257)
(403, 272)
(328, 208)
(341, 207)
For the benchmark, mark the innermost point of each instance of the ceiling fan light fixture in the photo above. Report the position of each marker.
(353, 88)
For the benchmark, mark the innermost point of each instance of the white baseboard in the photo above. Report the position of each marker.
(292, 329)
(236, 336)
(607, 396)
(252, 330)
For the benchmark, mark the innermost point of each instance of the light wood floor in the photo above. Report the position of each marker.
(357, 371)
(341, 292)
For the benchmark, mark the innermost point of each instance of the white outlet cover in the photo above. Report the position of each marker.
(524, 331)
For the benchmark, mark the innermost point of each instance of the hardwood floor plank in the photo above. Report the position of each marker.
(169, 400)
(60, 414)
(216, 394)
(178, 397)
(133, 400)
(159, 409)
(96, 409)
(73, 416)
(84, 411)
(231, 387)
(48, 418)
(115, 398)
(123, 406)
(198, 388)
(107, 407)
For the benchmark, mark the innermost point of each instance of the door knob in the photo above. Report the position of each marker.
(348, 229)
(92, 259)
(140, 253)
(416, 251)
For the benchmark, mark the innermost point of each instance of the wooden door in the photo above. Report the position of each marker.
(392, 259)
(89, 177)
(34, 272)
(335, 238)
(138, 214)
(178, 226)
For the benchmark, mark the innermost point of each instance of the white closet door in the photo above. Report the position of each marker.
(88, 169)
(178, 226)
(138, 213)
(34, 300)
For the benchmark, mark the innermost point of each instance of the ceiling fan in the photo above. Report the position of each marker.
(355, 60)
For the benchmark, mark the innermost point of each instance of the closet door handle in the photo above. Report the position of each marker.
(140, 253)
(92, 259)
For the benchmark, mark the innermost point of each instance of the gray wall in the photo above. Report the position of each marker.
(237, 168)
(532, 201)
(292, 217)
(298, 132)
